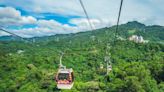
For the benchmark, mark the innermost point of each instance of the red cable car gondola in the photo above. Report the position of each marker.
(64, 77)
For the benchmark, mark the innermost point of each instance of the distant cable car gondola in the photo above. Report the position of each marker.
(64, 77)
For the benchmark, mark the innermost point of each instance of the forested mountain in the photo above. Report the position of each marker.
(136, 67)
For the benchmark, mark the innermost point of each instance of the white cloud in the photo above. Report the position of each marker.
(9, 12)
(48, 23)
(83, 24)
(31, 32)
(28, 20)
(44, 28)
(43, 31)
(11, 16)
(4, 33)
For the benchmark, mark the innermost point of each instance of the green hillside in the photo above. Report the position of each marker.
(152, 33)
(137, 67)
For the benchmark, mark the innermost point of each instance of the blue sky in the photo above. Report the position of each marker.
(30, 18)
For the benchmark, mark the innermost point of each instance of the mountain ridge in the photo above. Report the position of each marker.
(152, 33)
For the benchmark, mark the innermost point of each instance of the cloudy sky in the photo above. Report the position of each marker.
(29, 18)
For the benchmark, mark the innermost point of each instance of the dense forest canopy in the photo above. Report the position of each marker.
(137, 67)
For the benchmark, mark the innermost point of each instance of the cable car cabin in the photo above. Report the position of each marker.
(109, 68)
(64, 79)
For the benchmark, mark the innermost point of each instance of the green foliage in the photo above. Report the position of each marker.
(136, 67)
